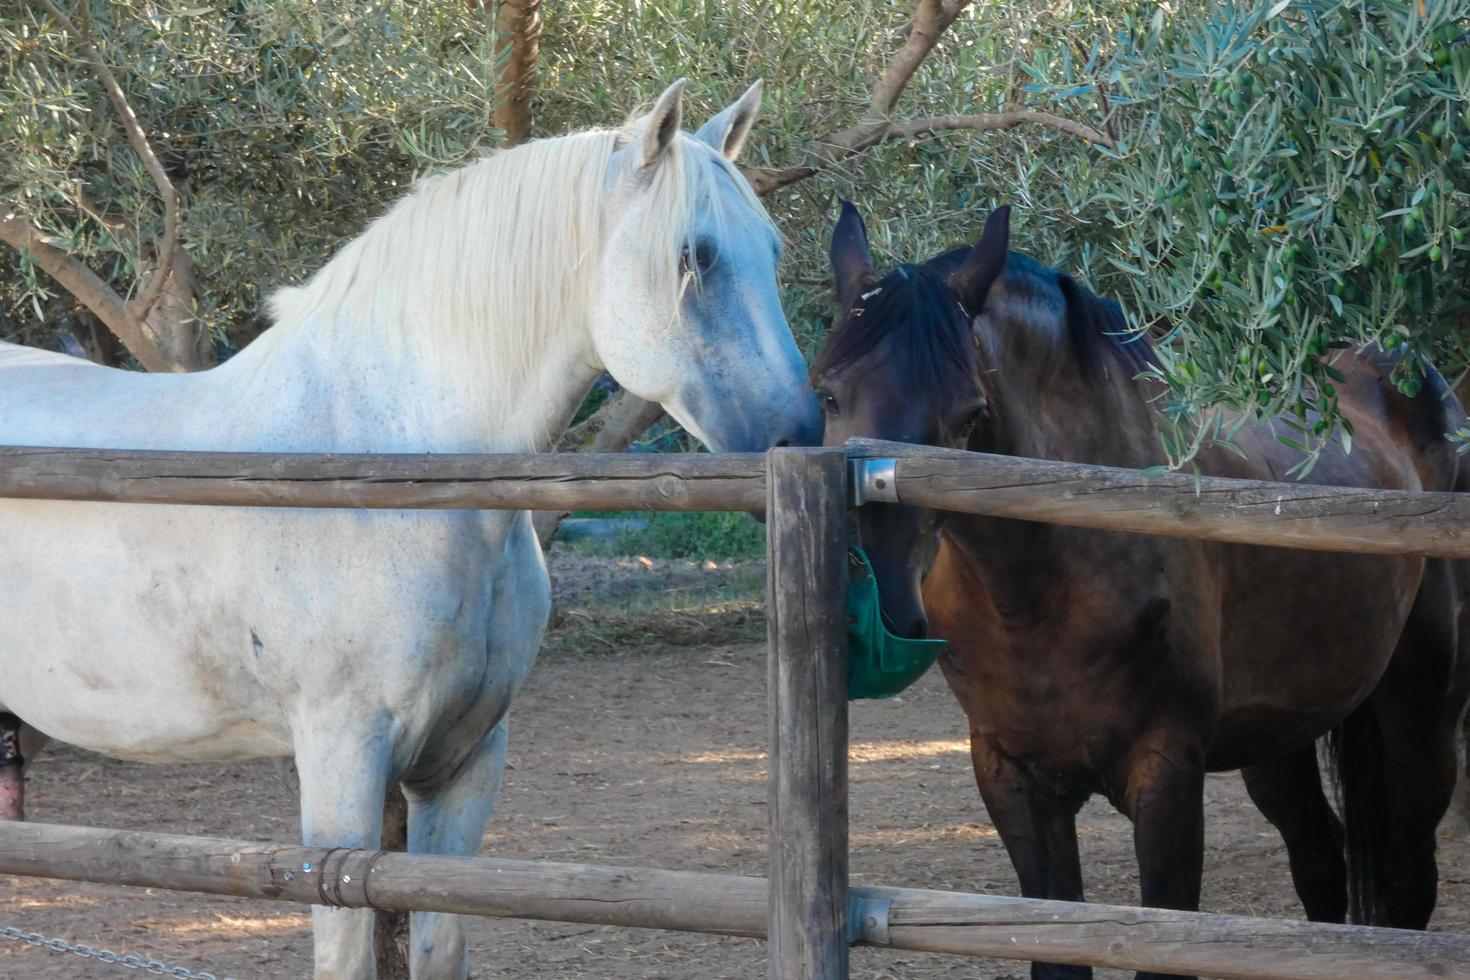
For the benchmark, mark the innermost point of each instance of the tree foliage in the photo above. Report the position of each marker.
(1285, 176)
(285, 126)
(1291, 178)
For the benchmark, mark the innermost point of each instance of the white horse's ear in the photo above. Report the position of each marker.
(726, 132)
(661, 125)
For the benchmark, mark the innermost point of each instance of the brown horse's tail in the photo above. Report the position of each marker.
(1355, 750)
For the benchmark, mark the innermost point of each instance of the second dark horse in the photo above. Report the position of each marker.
(1130, 665)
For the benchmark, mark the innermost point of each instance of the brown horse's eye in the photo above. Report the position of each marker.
(968, 423)
(828, 402)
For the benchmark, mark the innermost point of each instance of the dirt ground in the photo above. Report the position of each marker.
(639, 740)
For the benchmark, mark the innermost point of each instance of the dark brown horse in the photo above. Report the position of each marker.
(1130, 665)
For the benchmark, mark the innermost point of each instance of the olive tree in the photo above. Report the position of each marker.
(164, 164)
(1289, 178)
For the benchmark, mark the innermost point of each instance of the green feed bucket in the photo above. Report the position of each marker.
(879, 664)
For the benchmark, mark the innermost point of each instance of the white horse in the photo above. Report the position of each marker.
(382, 646)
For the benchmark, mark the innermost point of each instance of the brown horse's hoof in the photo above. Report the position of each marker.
(12, 793)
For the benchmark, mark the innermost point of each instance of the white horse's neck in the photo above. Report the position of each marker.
(344, 386)
(458, 321)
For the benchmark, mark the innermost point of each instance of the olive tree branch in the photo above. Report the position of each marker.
(517, 37)
(931, 18)
(89, 289)
(923, 126)
(143, 303)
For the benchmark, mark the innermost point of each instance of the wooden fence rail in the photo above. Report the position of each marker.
(528, 481)
(1288, 515)
(898, 918)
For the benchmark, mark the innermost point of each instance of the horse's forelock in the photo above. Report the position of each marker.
(912, 314)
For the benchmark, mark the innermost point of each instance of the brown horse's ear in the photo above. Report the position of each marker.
(852, 266)
(986, 261)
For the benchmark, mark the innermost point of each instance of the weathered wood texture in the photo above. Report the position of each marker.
(1288, 515)
(806, 538)
(1162, 941)
(933, 921)
(541, 481)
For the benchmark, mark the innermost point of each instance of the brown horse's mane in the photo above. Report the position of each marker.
(913, 310)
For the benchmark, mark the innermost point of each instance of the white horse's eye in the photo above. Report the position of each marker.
(704, 258)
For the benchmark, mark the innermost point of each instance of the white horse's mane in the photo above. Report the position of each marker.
(483, 263)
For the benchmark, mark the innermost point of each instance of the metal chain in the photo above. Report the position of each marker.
(126, 961)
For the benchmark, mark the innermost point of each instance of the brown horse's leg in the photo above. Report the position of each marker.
(1165, 797)
(1288, 791)
(1419, 767)
(1040, 834)
(1397, 761)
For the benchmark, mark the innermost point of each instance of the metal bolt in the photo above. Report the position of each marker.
(289, 875)
(306, 866)
(346, 879)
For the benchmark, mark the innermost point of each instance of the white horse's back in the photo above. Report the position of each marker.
(49, 399)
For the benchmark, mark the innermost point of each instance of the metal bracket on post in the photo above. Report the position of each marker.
(871, 481)
(867, 920)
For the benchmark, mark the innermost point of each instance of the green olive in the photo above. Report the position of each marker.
(1436, 253)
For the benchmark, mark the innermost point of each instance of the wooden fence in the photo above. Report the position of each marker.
(807, 910)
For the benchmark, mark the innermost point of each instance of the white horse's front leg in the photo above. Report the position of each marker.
(450, 819)
(448, 815)
(343, 767)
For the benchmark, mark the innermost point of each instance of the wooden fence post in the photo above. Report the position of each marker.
(806, 534)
